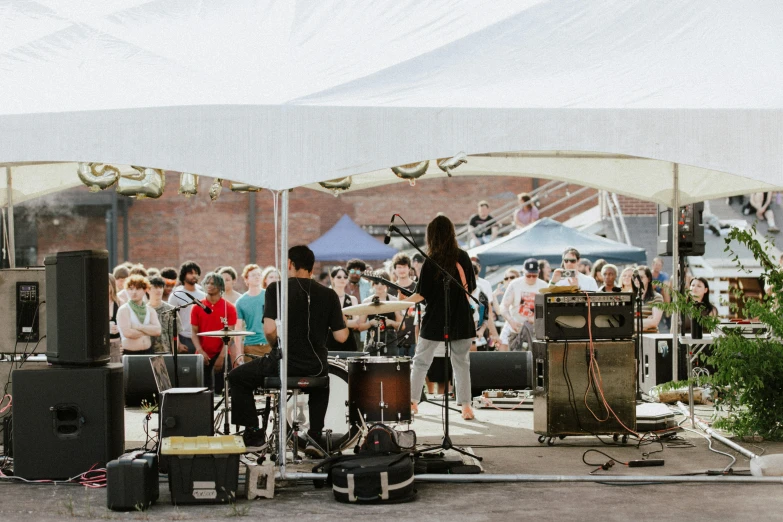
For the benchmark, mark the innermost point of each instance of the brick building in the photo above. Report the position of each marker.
(238, 228)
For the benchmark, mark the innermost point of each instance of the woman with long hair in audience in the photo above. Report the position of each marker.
(651, 315)
(626, 280)
(445, 252)
(700, 294)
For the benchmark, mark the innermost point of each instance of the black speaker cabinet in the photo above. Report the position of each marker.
(186, 412)
(77, 307)
(140, 383)
(67, 420)
(562, 376)
(690, 229)
(500, 371)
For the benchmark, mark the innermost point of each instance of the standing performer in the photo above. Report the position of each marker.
(443, 249)
(314, 315)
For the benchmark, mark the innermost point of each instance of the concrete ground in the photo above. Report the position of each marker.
(506, 441)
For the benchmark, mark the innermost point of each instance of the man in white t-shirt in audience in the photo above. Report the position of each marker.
(519, 307)
(571, 262)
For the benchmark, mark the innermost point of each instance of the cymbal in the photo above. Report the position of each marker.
(225, 333)
(383, 307)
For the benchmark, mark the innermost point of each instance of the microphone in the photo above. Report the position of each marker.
(389, 231)
(207, 310)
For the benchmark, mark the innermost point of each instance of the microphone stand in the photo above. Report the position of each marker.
(639, 329)
(175, 349)
(446, 443)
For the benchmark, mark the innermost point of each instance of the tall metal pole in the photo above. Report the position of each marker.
(282, 333)
(9, 183)
(675, 279)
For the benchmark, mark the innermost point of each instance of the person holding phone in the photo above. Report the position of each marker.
(568, 275)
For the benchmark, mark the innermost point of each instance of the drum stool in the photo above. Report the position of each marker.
(295, 385)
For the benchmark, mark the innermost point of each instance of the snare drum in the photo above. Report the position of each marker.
(336, 415)
(379, 389)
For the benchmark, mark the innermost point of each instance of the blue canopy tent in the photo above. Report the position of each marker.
(546, 239)
(347, 240)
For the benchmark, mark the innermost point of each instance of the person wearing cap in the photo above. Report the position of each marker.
(480, 228)
(519, 306)
(571, 262)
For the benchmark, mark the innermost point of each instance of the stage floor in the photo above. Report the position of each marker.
(506, 441)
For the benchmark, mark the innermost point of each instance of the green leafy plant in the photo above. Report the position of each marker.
(748, 380)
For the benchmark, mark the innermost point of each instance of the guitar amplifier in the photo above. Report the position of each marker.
(564, 317)
(562, 374)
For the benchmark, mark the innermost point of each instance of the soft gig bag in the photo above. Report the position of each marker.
(374, 479)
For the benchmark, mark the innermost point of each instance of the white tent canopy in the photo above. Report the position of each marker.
(288, 94)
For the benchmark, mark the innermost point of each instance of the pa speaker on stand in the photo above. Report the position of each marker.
(77, 308)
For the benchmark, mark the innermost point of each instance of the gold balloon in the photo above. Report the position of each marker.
(98, 179)
(337, 185)
(243, 187)
(411, 171)
(215, 189)
(188, 184)
(143, 183)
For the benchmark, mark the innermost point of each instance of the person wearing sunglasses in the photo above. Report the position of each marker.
(519, 306)
(360, 288)
(571, 262)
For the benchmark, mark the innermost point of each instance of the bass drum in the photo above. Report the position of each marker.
(344, 435)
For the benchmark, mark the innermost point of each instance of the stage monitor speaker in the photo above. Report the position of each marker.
(23, 310)
(186, 412)
(689, 226)
(67, 420)
(560, 406)
(77, 320)
(139, 382)
(500, 371)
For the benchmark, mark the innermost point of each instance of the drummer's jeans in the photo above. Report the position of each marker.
(460, 362)
(246, 378)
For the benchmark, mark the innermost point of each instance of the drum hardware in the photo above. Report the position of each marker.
(225, 335)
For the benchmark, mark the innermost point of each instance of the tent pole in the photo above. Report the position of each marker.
(10, 198)
(675, 230)
(282, 333)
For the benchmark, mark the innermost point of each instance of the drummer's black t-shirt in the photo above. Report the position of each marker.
(307, 356)
(461, 317)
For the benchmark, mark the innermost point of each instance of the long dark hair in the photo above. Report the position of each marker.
(442, 244)
(705, 300)
(649, 292)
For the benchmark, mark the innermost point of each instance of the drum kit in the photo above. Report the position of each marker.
(372, 388)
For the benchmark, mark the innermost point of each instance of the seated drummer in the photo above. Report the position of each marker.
(314, 313)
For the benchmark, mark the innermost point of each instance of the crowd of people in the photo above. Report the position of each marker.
(159, 310)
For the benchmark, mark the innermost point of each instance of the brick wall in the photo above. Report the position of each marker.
(173, 228)
(636, 207)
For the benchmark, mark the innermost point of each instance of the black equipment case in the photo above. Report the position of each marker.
(132, 482)
(371, 479)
